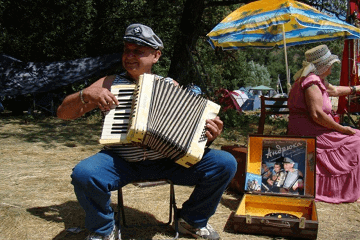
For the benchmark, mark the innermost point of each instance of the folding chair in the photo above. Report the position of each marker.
(150, 183)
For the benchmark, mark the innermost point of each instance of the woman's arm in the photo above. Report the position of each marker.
(314, 102)
(336, 91)
(96, 95)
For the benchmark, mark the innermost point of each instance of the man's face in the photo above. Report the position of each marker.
(265, 167)
(277, 168)
(288, 166)
(138, 59)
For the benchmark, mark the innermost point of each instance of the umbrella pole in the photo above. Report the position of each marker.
(279, 82)
(286, 61)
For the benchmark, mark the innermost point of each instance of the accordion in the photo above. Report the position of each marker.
(155, 114)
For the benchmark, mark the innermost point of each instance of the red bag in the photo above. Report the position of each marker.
(335, 116)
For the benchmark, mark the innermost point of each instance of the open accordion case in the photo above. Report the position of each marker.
(279, 188)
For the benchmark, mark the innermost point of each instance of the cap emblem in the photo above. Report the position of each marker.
(137, 31)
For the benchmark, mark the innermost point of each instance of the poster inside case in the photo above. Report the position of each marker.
(280, 165)
(283, 166)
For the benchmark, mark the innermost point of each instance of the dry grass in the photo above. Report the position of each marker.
(37, 199)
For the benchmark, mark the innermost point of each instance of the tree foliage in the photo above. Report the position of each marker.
(46, 30)
(64, 29)
(259, 75)
(335, 7)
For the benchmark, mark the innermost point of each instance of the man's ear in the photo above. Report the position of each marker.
(157, 56)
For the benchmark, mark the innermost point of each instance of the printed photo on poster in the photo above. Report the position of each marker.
(283, 166)
(253, 182)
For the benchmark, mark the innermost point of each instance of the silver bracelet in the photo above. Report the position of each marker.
(81, 97)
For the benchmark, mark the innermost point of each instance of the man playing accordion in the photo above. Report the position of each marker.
(293, 182)
(96, 176)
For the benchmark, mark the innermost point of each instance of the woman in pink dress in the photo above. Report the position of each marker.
(338, 147)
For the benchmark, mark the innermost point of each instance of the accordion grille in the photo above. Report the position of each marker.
(174, 116)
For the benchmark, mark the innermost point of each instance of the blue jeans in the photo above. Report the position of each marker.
(95, 177)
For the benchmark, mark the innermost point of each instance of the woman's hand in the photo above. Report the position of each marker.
(348, 130)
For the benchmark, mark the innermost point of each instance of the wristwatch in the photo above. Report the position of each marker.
(353, 90)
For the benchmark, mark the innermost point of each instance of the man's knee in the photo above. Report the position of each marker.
(225, 162)
(82, 173)
(229, 162)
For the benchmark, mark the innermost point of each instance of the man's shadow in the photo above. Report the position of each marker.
(232, 205)
(73, 217)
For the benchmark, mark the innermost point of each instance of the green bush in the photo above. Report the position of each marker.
(237, 124)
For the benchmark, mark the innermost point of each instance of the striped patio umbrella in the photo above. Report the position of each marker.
(281, 23)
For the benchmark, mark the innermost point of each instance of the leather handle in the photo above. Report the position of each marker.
(275, 224)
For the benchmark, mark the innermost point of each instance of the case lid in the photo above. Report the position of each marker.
(281, 165)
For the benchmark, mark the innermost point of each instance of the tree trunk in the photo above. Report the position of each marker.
(188, 35)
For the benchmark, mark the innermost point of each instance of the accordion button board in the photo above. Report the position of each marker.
(162, 117)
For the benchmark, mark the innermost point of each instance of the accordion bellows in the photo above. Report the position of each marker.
(157, 115)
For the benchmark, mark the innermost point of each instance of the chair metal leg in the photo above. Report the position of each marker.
(121, 211)
(173, 208)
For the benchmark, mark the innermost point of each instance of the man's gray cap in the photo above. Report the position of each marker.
(288, 160)
(142, 35)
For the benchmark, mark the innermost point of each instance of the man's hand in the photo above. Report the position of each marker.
(214, 128)
(100, 97)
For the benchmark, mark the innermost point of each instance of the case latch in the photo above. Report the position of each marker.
(302, 223)
(248, 219)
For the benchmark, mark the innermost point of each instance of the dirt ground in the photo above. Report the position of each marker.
(37, 199)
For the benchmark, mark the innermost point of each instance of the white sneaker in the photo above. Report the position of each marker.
(114, 235)
(206, 232)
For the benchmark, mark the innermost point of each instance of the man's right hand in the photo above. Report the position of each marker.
(100, 97)
(96, 95)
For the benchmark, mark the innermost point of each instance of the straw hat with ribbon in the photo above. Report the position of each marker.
(317, 61)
